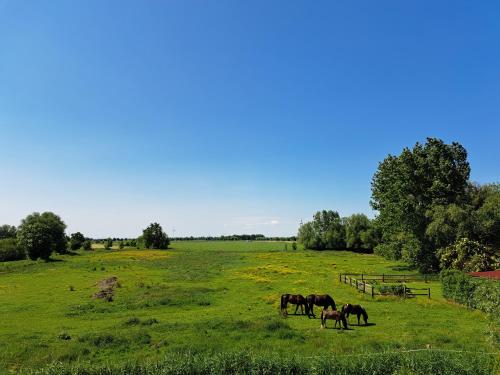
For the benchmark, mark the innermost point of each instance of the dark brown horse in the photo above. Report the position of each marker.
(323, 300)
(355, 309)
(294, 299)
(339, 318)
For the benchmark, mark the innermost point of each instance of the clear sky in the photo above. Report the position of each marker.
(221, 117)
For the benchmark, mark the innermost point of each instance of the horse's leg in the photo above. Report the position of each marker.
(358, 318)
(311, 308)
(296, 308)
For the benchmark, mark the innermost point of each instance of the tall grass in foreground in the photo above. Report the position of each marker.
(419, 362)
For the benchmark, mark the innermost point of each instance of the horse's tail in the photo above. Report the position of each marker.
(284, 301)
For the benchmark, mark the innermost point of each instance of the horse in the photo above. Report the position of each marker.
(339, 318)
(355, 309)
(294, 299)
(323, 300)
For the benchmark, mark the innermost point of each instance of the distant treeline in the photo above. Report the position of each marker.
(235, 237)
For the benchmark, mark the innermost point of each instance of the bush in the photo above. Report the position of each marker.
(469, 256)
(87, 245)
(397, 290)
(10, 251)
(473, 292)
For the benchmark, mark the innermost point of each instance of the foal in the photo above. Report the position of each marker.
(334, 315)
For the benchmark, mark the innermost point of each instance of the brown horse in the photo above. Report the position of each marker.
(294, 299)
(323, 300)
(339, 318)
(355, 309)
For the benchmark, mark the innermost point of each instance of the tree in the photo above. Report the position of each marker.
(154, 237)
(87, 245)
(108, 243)
(76, 241)
(356, 227)
(40, 234)
(326, 231)
(7, 231)
(407, 186)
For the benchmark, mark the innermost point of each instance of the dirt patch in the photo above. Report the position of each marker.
(107, 288)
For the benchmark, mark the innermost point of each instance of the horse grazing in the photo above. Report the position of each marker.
(323, 300)
(294, 299)
(355, 309)
(339, 318)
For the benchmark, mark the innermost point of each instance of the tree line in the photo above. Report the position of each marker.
(429, 213)
(41, 234)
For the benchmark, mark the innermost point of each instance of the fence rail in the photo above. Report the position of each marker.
(368, 288)
(391, 277)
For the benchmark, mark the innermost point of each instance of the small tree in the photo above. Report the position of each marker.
(294, 245)
(108, 243)
(122, 245)
(87, 245)
(154, 237)
(76, 241)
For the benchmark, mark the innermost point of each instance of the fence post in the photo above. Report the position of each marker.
(340, 278)
(425, 278)
(364, 287)
(404, 290)
(404, 278)
(383, 278)
(362, 278)
(429, 293)
(372, 290)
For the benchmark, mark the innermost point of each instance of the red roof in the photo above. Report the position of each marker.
(487, 274)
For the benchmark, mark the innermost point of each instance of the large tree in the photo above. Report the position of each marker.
(154, 237)
(407, 187)
(40, 234)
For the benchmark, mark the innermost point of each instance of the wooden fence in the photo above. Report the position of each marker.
(393, 278)
(365, 287)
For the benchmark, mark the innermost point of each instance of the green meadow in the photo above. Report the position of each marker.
(208, 297)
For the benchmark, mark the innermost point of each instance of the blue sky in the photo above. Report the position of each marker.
(220, 117)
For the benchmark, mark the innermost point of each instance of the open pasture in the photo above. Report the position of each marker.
(202, 297)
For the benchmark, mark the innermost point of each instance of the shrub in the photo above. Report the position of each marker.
(468, 255)
(9, 250)
(473, 292)
(397, 290)
(87, 245)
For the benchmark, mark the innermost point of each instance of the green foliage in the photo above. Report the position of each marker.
(9, 250)
(7, 231)
(407, 186)
(87, 245)
(108, 243)
(76, 241)
(423, 362)
(294, 245)
(40, 234)
(154, 237)
(475, 292)
(396, 289)
(468, 256)
(121, 245)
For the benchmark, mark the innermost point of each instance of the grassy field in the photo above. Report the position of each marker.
(203, 297)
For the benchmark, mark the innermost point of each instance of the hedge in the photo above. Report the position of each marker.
(474, 292)
(10, 251)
